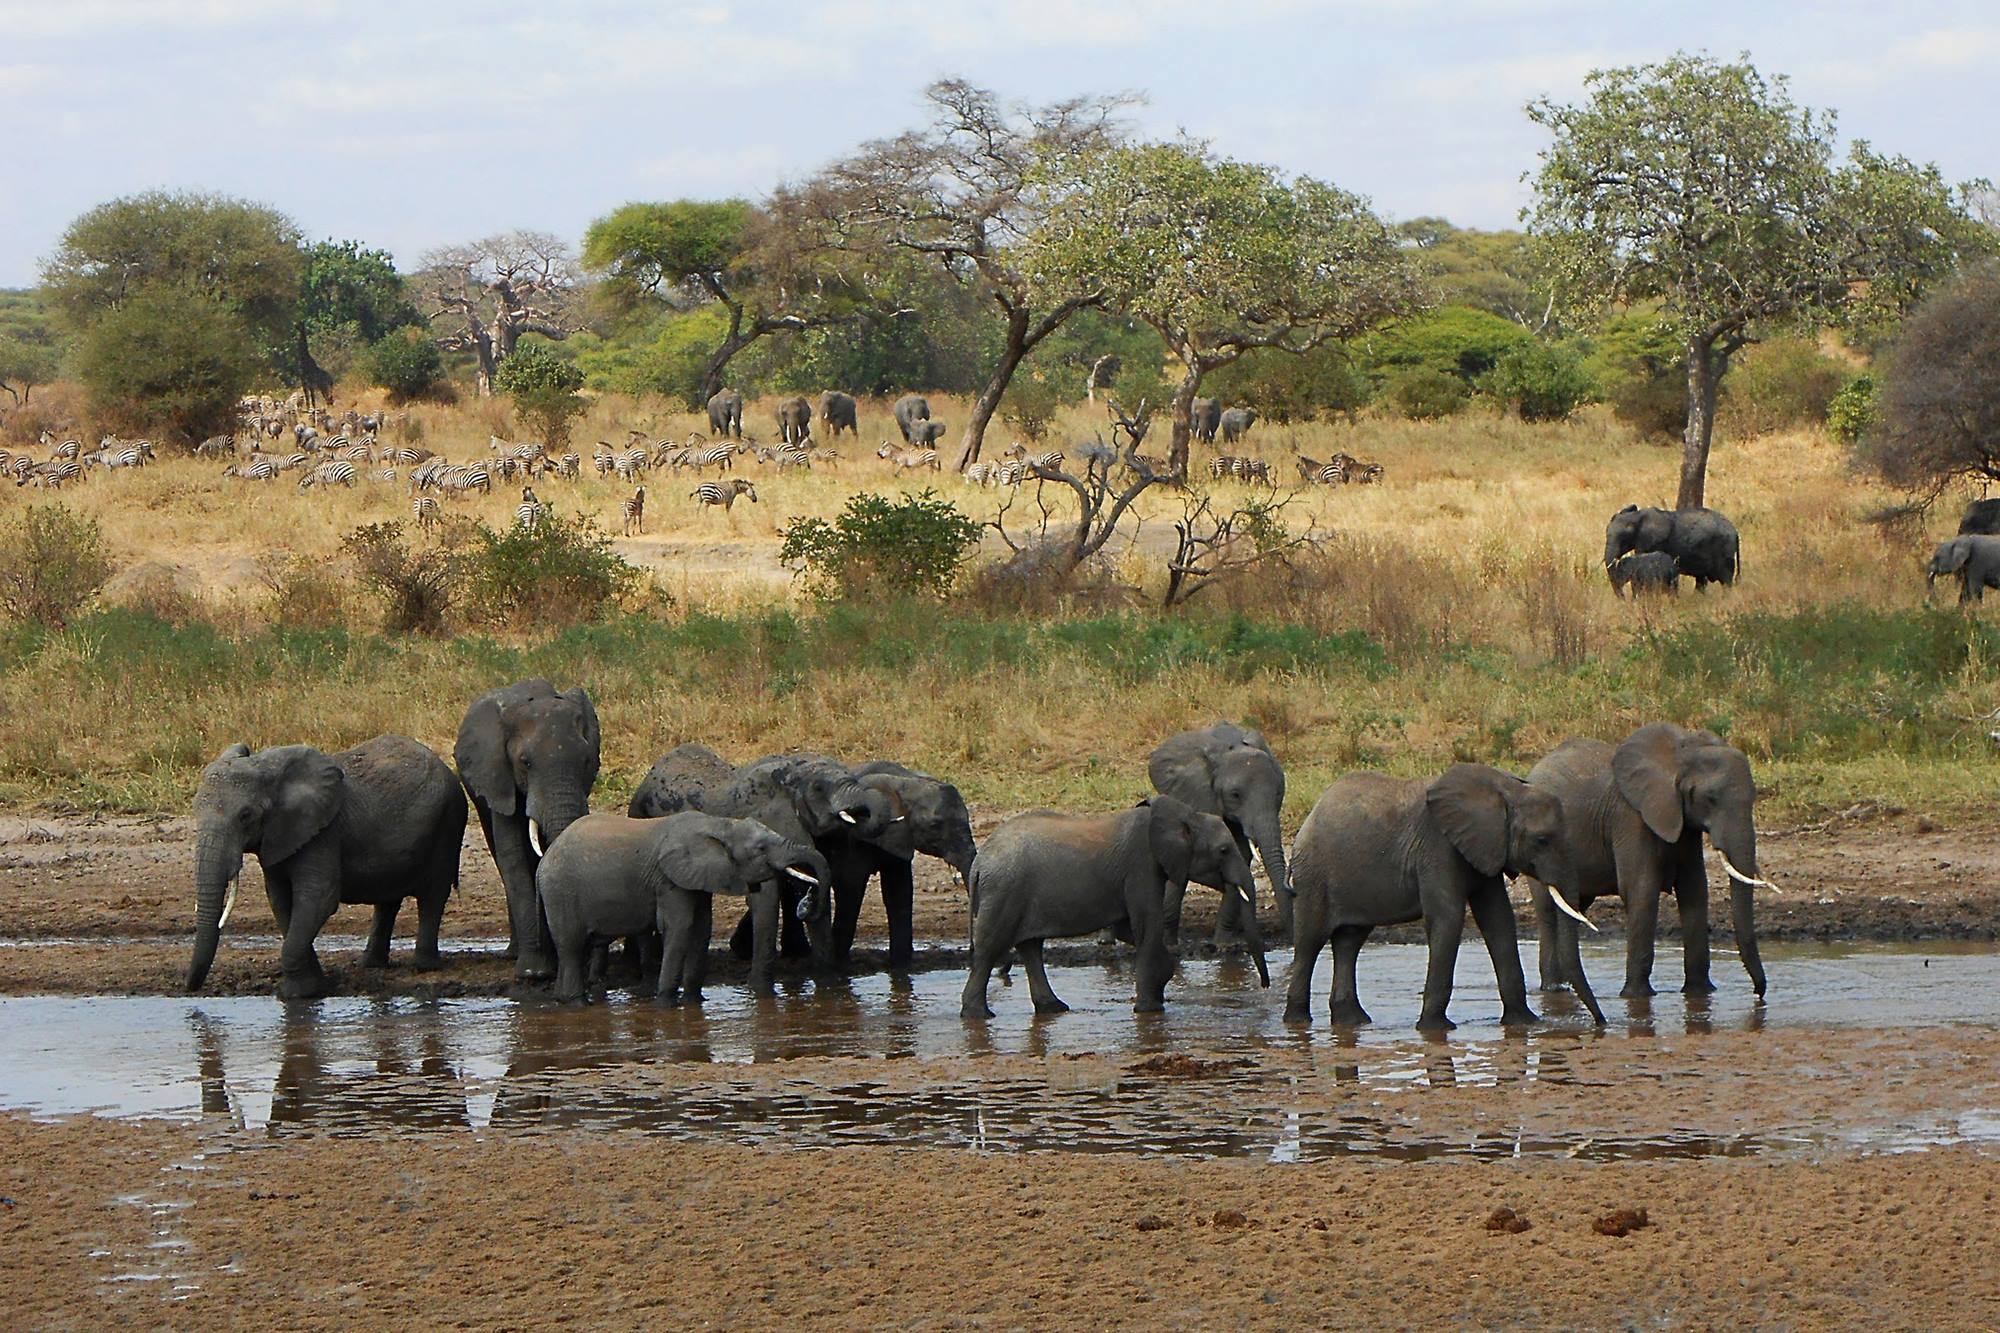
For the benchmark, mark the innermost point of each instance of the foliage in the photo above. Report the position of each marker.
(922, 329)
(1937, 398)
(52, 561)
(1851, 414)
(419, 590)
(552, 574)
(1031, 405)
(25, 364)
(1541, 381)
(1422, 393)
(543, 385)
(1067, 354)
(1456, 340)
(1783, 383)
(346, 285)
(1285, 388)
(171, 358)
(878, 547)
(1636, 361)
(1493, 271)
(661, 250)
(406, 362)
(492, 292)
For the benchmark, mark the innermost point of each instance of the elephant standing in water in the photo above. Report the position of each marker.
(376, 824)
(1228, 771)
(1635, 815)
(1702, 542)
(528, 755)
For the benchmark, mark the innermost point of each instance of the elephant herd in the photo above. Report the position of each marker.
(799, 837)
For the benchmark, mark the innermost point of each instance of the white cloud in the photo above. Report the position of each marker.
(1935, 51)
(18, 80)
(1512, 81)
(72, 18)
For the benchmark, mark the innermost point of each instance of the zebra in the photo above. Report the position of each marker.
(406, 454)
(356, 453)
(54, 474)
(1012, 472)
(258, 467)
(1223, 465)
(910, 460)
(428, 474)
(1367, 474)
(982, 474)
(466, 477)
(531, 512)
(795, 455)
(111, 456)
(635, 512)
(569, 467)
(1253, 469)
(290, 463)
(339, 472)
(215, 446)
(723, 493)
(427, 512)
(605, 458)
(720, 456)
(383, 474)
(69, 449)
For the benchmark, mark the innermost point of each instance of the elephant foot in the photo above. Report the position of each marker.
(1435, 1023)
(511, 952)
(427, 962)
(304, 985)
(1637, 990)
(1519, 1018)
(975, 1013)
(1350, 1016)
(1225, 942)
(530, 967)
(1550, 985)
(1298, 1016)
(1053, 1006)
(902, 958)
(1703, 986)
(1149, 1006)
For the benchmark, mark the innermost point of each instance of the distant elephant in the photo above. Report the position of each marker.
(1655, 571)
(613, 877)
(376, 824)
(1377, 850)
(1635, 815)
(1703, 542)
(528, 755)
(910, 409)
(838, 411)
(926, 433)
(1205, 416)
(1045, 875)
(795, 416)
(1981, 517)
(725, 413)
(1228, 771)
(1236, 423)
(1973, 560)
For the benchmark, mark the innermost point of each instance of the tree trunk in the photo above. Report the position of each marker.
(1704, 370)
(1183, 404)
(482, 344)
(996, 387)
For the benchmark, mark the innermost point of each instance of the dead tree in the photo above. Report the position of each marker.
(1214, 546)
(497, 289)
(1046, 558)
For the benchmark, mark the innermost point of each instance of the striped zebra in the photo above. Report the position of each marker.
(605, 458)
(464, 477)
(117, 456)
(383, 474)
(406, 455)
(54, 474)
(909, 460)
(1012, 472)
(569, 467)
(1366, 474)
(356, 453)
(1222, 465)
(427, 512)
(70, 449)
(338, 472)
(257, 467)
(719, 456)
(531, 512)
(425, 476)
(634, 507)
(632, 462)
(291, 462)
(795, 455)
(1253, 469)
(982, 474)
(723, 493)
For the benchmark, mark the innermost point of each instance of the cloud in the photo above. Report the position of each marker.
(17, 80)
(1513, 81)
(75, 18)
(1934, 51)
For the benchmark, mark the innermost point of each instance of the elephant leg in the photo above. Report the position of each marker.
(764, 910)
(1309, 935)
(1039, 990)
(673, 920)
(899, 901)
(793, 940)
(694, 964)
(1346, 994)
(1547, 941)
(1495, 918)
(312, 908)
(1176, 894)
(278, 892)
(742, 941)
(1156, 965)
(847, 900)
(430, 918)
(508, 837)
(1691, 899)
(1642, 919)
(972, 1002)
(384, 930)
(1444, 924)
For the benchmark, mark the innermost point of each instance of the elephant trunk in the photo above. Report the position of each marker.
(218, 862)
(1269, 839)
(550, 812)
(1571, 957)
(1739, 860)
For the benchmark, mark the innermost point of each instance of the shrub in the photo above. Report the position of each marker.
(170, 358)
(1541, 381)
(418, 589)
(553, 574)
(911, 546)
(1424, 394)
(52, 561)
(1784, 383)
(1937, 403)
(1852, 410)
(543, 386)
(407, 362)
(1455, 340)
(305, 594)
(1289, 388)
(1636, 361)
(1031, 405)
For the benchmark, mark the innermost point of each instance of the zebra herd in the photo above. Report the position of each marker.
(1339, 471)
(67, 462)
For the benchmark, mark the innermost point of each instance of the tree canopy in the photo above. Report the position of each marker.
(1936, 415)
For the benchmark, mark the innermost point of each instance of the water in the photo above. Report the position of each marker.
(362, 1065)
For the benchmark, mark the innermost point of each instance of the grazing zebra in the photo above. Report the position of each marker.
(795, 455)
(425, 475)
(721, 456)
(215, 446)
(1253, 469)
(569, 467)
(605, 458)
(257, 467)
(982, 474)
(632, 462)
(531, 512)
(54, 474)
(910, 460)
(339, 472)
(635, 512)
(357, 453)
(427, 511)
(382, 474)
(71, 448)
(723, 493)
(290, 463)
(466, 477)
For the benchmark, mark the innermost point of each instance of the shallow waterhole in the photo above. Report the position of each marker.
(366, 1065)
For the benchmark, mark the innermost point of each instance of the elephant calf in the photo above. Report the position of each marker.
(612, 876)
(1647, 572)
(1974, 560)
(1045, 875)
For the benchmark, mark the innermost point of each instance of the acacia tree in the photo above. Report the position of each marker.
(1936, 417)
(490, 292)
(968, 191)
(1702, 187)
(1221, 257)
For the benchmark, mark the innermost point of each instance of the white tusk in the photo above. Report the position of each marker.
(1237, 889)
(228, 902)
(1563, 903)
(1742, 878)
(899, 819)
(535, 836)
(848, 818)
(796, 873)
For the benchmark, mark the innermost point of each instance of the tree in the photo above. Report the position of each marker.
(24, 363)
(490, 292)
(349, 298)
(406, 362)
(1494, 271)
(968, 191)
(1935, 418)
(1701, 186)
(543, 386)
(180, 358)
(1221, 257)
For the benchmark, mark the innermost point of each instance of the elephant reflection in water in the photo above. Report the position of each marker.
(403, 1080)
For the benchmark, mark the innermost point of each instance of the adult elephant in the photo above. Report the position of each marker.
(795, 417)
(1377, 850)
(1236, 423)
(725, 413)
(1982, 517)
(1635, 815)
(839, 412)
(909, 410)
(939, 826)
(376, 824)
(1205, 417)
(1702, 542)
(528, 754)
(1229, 771)
(1973, 560)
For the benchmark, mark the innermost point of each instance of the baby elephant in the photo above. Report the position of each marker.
(1046, 875)
(1652, 571)
(611, 876)
(1973, 560)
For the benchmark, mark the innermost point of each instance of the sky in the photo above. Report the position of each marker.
(428, 122)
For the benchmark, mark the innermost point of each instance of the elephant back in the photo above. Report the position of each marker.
(681, 779)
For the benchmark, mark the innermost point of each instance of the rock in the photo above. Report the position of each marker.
(1506, 1219)
(1621, 1222)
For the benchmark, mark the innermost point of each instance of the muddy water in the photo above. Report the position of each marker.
(367, 1065)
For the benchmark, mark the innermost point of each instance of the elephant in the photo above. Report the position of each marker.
(725, 413)
(838, 411)
(612, 876)
(1635, 815)
(1046, 874)
(376, 824)
(795, 416)
(939, 826)
(1974, 560)
(1228, 771)
(1205, 417)
(1703, 542)
(1981, 517)
(925, 433)
(528, 756)
(1655, 571)
(1236, 423)
(1377, 851)
(910, 409)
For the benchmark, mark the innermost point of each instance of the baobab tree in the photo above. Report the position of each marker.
(488, 293)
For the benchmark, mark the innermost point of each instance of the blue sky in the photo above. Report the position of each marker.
(415, 124)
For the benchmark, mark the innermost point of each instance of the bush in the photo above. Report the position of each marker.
(418, 589)
(1287, 388)
(1937, 402)
(52, 561)
(543, 386)
(407, 362)
(1852, 410)
(554, 574)
(1637, 363)
(1424, 394)
(1454, 340)
(1031, 405)
(172, 359)
(911, 546)
(1540, 381)
(1781, 384)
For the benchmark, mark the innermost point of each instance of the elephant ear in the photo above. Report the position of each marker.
(1181, 768)
(236, 751)
(1470, 804)
(481, 753)
(699, 861)
(1646, 768)
(1952, 555)
(586, 713)
(306, 789)
(1171, 832)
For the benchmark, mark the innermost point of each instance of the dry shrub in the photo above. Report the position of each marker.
(1554, 607)
(1406, 599)
(60, 409)
(305, 594)
(169, 593)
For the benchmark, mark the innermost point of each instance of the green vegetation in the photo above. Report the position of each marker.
(1540, 381)
(171, 358)
(556, 573)
(406, 362)
(543, 384)
(879, 547)
(1452, 340)
(1781, 384)
(1424, 393)
(1852, 412)
(52, 562)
